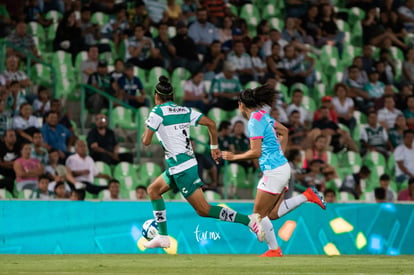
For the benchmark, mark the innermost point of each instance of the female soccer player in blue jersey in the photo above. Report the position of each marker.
(171, 124)
(264, 144)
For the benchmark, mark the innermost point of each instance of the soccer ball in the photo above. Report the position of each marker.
(150, 229)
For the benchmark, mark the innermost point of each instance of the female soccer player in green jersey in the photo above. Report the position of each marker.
(171, 124)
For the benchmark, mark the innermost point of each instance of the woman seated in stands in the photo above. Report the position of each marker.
(27, 169)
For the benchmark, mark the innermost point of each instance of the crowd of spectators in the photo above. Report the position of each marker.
(332, 100)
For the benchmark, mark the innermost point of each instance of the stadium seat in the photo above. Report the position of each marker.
(147, 172)
(236, 182)
(4, 194)
(124, 169)
(172, 31)
(252, 85)
(153, 76)
(123, 118)
(41, 75)
(99, 18)
(55, 15)
(200, 135)
(218, 115)
(299, 86)
(212, 195)
(103, 168)
(269, 11)
(277, 23)
(179, 74)
(309, 103)
(373, 159)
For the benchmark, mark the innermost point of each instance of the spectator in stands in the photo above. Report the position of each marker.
(41, 105)
(213, 61)
(225, 140)
(352, 183)
(374, 137)
(216, 10)
(226, 88)
(203, 32)
(81, 168)
(404, 157)
(329, 195)
(405, 91)
(118, 71)
(115, 27)
(59, 191)
(103, 144)
(294, 158)
(141, 192)
(375, 32)
(195, 95)
(408, 193)
(38, 151)
(34, 13)
(101, 80)
(189, 9)
(131, 88)
(21, 39)
(384, 182)
(12, 72)
(9, 152)
(409, 112)
(63, 117)
(25, 123)
(206, 164)
(344, 106)
(408, 67)
(296, 105)
(77, 195)
(5, 118)
(69, 35)
(55, 171)
(89, 66)
(57, 136)
(157, 11)
(241, 143)
(114, 190)
(314, 176)
(388, 114)
(329, 30)
(225, 32)
(297, 131)
(319, 151)
(90, 31)
(141, 50)
(41, 192)
(15, 97)
(163, 43)
(326, 101)
(356, 89)
(406, 14)
(275, 64)
(27, 169)
(186, 49)
(241, 62)
(309, 25)
(296, 70)
(174, 12)
(290, 33)
(140, 16)
(259, 66)
(385, 72)
(359, 78)
(374, 87)
(368, 60)
(396, 133)
(274, 38)
(380, 194)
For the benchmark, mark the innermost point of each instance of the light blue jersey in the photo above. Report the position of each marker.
(261, 125)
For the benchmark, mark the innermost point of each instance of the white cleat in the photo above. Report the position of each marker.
(255, 226)
(159, 241)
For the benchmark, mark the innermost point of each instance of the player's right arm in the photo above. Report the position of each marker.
(212, 130)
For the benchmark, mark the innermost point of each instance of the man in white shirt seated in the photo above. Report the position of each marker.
(81, 170)
(404, 157)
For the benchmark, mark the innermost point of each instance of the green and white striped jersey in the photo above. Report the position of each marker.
(171, 123)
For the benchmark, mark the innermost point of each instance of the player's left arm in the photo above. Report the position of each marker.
(254, 152)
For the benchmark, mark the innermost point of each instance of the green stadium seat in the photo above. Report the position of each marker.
(212, 195)
(236, 182)
(100, 18)
(103, 168)
(148, 172)
(309, 103)
(218, 115)
(252, 85)
(123, 118)
(179, 74)
(373, 159)
(356, 15)
(124, 169)
(200, 135)
(299, 86)
(55, 15)
(277, 23)
(4, 194)
(270, 11)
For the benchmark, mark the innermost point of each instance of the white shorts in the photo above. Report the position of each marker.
(275, 181)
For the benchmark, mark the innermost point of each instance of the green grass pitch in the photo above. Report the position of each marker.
(204, 264)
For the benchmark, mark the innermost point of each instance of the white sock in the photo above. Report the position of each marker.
(290, 204)
(269, 231)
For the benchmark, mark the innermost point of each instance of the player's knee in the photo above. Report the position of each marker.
(153, 192)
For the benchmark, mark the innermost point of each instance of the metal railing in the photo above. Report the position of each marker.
(4, 44)
(111, 101)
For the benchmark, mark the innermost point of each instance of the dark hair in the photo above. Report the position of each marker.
(59, 183)
(113, 181)
(53, 151)
(80, 193)
(292, 154)
(23, 105)
(352, 67)
(408, 131)
(385, 177)
(380, 193)
(329, 190)
(294, 112)
(24, 144)
(41, 88)
(43, 176)
(224, 125)
(141, 187)
(257, 97)
(36, 131)
(164, 89)
(364, 170)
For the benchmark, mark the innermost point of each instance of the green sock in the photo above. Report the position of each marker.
(160, 215)
(226, 214)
